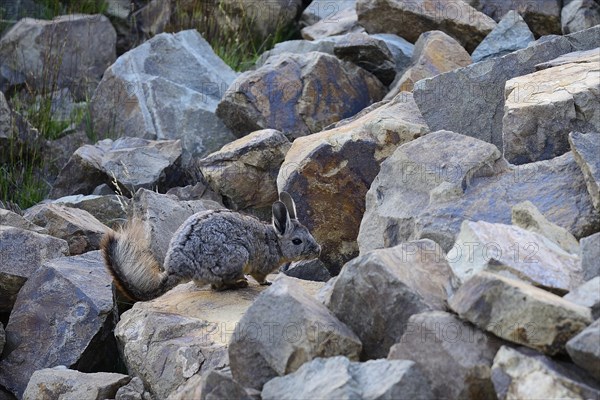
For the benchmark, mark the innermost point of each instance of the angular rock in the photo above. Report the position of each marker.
(199, 191)
(297, 94)
(63, 315)
(457, 100)
(129, 163)
(67, 384)
(111, 209)
(369, 53)
(579, 15)
(10, 218)
(525, 374)
(586, 148)
(454, 355)
(429, 186)
(569, 58)
(329, 173)
(514, 252)
(340, 378)
(527, 216)
(435, 53)
(82, 231)
(213, 385)
(520, 313)
(284, 328)
(324, 9)
(543, 107)
(310, 270)
(336, 22)
(245, 171)
(584, 349)
(587, 295)
(590, 256)
(166, 88)
(511, 34)
(134, 390)
(72, 49)
(377, 292)
(402, 50)
(324, 45)
(22, 252)
(410, 19)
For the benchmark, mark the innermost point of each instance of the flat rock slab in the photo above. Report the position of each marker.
(584, 349)
(109, 209)
(519, 312)
(586, 148)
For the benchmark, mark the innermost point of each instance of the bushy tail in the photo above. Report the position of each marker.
(129, 260)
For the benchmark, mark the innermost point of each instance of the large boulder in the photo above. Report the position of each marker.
(329, 173)
(543, 107)
(70, 51)
(579, 15)
(410, 19)
(298, 94)
(377, 292)
(63, 315)
(586, 148)
(109, 209)
(166, 88)
(584, 349)
(429, 186)
(590, 255)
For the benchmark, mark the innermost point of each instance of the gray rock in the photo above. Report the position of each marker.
(454, 355)
(569, 58)
(73, 49)
(429, 186)
(584, 349)
(579, 15)
(199, 191)
(459, 20)
(310, 270)
(213, 385)
(298, 94)
(402, 50)
(110, 209)
(336, 22)
(2, 338)
(324, 45)
(6, 127)
(22, 252)
(586, 148)
(590, 256)
(328, 173)
(324, 9)
(587, 295)
(134, 390)
(67, 384)
(82, 231)
(64, 315)
(244, 172)
(525, 374)
(10, 218)
(511, 34)
(284, 328)
(377, 292)
(520, 313)
(457, 100)
(514, 252)
(340, 378)
(166, 88)
(543, 107)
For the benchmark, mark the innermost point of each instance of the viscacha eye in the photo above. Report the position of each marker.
(297, 241)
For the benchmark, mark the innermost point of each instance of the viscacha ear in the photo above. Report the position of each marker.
(289, 203)
(281, 217)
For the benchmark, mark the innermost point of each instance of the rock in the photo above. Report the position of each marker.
(402, 50)
(586, 148)
(82, 231)
(525, 374)
(456, 100)
(152, 93)
(67, 384)
(429, 186)
(579, 15)
(72, 49)
(454, 356)
(435, 53)
(526, 215)
(340, 378)
(22, 252)
(325, 9)
(587, 295)
(64, 315)
(324, 45)
(369, 53)
(329, 173)
(590, 256)
(244, 172)
(514, 252)
(199, 191)
(310, 270)
(543, 107)
(377, 292)
(214, 385)
(457, 19)
(584, 349)
(520, 313)
(297, 94)
(511, 34)
(128, 163)
(2, 338)
(284, 328)
(134, 390)
(10, 218)
(111, 210)
(336, 22)
(6, 126)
